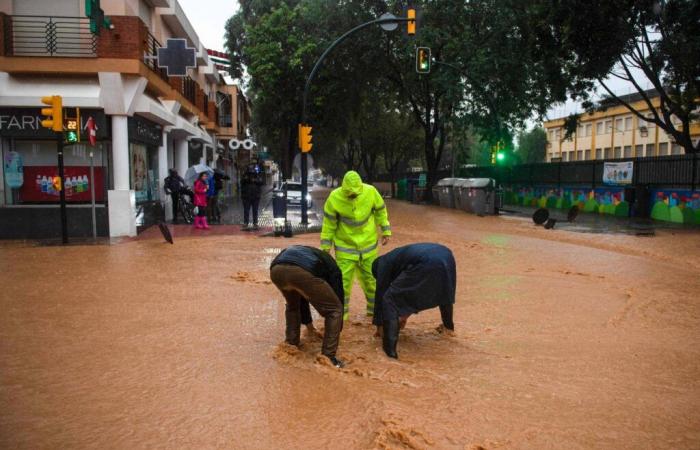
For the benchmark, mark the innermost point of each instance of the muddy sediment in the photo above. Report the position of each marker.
(562, 340)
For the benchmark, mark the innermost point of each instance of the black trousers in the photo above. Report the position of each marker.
(175, 197)
(250, 204)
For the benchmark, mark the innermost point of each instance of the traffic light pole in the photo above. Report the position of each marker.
(62, 192)
(307, 86)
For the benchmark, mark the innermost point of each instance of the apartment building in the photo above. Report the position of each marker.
(613, 134)
(145, 121)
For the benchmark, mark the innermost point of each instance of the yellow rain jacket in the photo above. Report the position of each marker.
(351, 224)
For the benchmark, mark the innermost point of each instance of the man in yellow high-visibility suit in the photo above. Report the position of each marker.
(350, 218)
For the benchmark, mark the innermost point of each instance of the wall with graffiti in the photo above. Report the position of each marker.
(680, 206)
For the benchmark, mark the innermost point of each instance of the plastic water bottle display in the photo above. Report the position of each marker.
(77, 187)
(68, 187)
(86, 183)
(44, 185)
(38, 183)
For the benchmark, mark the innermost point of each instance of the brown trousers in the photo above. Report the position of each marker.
(296, 284)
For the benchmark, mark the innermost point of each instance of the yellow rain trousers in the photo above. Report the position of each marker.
(350, 226)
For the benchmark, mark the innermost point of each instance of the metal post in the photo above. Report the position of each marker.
(61, 176)
(92, 194)
(307, 86)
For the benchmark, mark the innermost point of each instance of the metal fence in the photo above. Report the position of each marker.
(150, 55)
(672, 172)
(49, 36)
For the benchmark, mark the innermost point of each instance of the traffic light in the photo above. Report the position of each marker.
(54, 119)
(71, 128)
(305, 138)
(411, 24)
(423, 60)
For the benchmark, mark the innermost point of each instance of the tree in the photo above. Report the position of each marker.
(636, 42)
(532, 145)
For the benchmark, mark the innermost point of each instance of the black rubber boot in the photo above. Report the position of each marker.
(336, 362)
(390, 337)
(446, 315)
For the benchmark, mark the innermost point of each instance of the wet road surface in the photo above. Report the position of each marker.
(564, 340)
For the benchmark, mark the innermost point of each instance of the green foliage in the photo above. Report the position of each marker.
(532, 145)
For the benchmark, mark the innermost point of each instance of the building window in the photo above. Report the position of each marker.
(628, 123)
(618, 125)
(599, 128)
(676, 149)
(579, 155)
(650, 150)
(608, 153)
(608, 126)
(30, 167)
(663, 149)
(587, 155)
(580, 131)
(589, 129)
(638, 150)
(599, 153)
(628, 151)
(618, 152)
(557, 134)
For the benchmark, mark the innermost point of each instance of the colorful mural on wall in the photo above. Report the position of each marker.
(677, 206)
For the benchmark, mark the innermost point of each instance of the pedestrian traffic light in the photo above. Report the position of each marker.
(411, 24)
(305, 138)
(423, 60)
(71, 128)
(54, 119)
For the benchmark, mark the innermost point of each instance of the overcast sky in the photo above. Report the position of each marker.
(208, 17)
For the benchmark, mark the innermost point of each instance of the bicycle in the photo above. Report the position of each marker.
(186, 206)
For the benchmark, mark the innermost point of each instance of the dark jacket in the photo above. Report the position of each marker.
(413, 278)
(173, 183)
(251, 184)
(317, 262)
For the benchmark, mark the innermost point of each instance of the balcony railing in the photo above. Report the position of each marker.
(49, 36)
(150, 53)
(189, 89)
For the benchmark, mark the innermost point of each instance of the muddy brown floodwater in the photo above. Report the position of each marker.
(563, 341)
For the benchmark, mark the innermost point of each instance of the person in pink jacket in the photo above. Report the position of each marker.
(200, 200)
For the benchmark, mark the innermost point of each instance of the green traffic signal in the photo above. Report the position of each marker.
(423, 60)
(500, 156)
(71, 137)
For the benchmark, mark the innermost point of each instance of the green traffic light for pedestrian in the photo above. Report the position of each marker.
(500, 156)
(71, 137)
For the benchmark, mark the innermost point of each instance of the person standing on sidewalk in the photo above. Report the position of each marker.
(350, 218)
(251, 188)
(201, 186)
(304, 273)
(173, 185)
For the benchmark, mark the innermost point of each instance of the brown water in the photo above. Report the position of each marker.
(563, 341)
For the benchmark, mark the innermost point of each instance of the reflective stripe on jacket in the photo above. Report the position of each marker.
(351, 224)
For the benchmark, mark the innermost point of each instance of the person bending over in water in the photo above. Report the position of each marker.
(306, 273)
(411, 279)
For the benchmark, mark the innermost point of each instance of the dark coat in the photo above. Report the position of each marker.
(173, 183)
(251, 184)
(413, 278)
(317, 262)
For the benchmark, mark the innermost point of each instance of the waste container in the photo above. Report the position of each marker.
(446, 193)
(457, 189)
(479, 196)
(279, 211)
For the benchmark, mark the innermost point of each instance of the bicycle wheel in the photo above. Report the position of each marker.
(187, 211)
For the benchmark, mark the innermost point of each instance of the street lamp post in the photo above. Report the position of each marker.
(387, 21)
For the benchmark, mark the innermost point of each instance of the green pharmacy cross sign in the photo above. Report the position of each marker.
(96, 16)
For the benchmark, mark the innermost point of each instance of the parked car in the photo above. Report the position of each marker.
(294, 194)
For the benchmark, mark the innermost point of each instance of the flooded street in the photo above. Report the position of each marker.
(563, 340)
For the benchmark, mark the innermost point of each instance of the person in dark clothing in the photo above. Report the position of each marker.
(251, 188)
(411, 279)
(303, 274)
(173, 186)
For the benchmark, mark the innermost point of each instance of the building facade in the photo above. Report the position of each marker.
(615, 133)
(145, 121)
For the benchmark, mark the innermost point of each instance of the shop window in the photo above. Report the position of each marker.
(628, 151)
(143, 172)
(31, 167)
(618, 153)
(663, 149)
